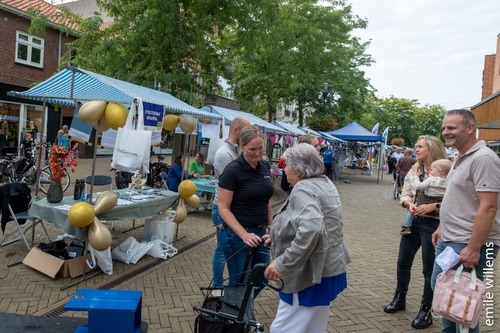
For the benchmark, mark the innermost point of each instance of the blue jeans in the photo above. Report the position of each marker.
(421, 236)
(408, 219)
(218, 261)
(447, 325)
(236, 253)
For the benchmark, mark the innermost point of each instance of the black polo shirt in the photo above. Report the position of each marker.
(252, 189)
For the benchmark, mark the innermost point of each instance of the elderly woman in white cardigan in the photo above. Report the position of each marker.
(307, 245)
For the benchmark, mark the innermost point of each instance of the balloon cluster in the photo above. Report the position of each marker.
(82, 215)
(103, 115)
(188, 124)
(186, 196)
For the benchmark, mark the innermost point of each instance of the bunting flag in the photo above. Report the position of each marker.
(385, 134)
(375, 129)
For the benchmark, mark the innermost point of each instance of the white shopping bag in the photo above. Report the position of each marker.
(132, 146)
(160, 227)
(130, 251)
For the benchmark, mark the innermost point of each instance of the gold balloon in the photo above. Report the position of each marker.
(188, 124)
(116, 115)
(91, 111)
(105, 202)
(180, 211)
(170, 122)
(81, 214)
(101, 125)
(99, 235)
(186, 189)
(193, 201)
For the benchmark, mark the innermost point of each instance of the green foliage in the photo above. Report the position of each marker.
(406, 118)
(322, 122)
(272, 52)
(38, 22)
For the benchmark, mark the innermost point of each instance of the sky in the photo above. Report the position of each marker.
(429, 50)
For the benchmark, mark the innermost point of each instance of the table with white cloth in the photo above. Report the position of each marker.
(205, 184)
(132, 204)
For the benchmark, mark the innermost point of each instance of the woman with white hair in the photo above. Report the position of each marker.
(307, 245)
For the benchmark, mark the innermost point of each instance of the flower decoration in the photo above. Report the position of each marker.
(61, 160)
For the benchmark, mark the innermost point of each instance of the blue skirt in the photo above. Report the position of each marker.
(319, 294)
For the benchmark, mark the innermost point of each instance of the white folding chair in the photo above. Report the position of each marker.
(30, 223)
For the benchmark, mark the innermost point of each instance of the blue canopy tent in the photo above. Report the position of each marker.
(355, 132)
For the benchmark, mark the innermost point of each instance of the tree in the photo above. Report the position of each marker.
(288, 55)
(406, 118)
(169, 45)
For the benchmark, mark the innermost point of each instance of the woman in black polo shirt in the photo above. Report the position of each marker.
(245, 191)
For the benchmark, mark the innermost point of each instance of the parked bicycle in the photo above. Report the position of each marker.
(17, 168)
(155, 168)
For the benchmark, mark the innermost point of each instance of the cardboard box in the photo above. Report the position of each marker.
(52, 266)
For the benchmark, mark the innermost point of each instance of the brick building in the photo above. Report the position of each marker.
(27, 59)
(487, 111)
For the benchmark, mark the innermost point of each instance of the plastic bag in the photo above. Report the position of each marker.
(160, 227)
(130, 251)
(104, 260)
(161, 249)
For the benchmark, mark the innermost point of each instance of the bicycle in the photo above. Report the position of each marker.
(21, 169)
(155, 169)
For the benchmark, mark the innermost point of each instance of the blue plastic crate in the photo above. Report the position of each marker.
(108, 310)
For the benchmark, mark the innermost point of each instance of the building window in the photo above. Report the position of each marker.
(29, 49)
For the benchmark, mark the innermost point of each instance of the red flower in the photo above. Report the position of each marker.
(60, 160)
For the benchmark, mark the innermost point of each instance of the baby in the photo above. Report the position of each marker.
(433, 186)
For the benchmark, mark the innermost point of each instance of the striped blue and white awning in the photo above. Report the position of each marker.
(73, 85)
(230, 114)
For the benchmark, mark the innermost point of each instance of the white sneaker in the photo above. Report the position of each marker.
(201, 207)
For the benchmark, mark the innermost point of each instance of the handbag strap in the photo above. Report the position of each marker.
(138, 108)
(473, 277)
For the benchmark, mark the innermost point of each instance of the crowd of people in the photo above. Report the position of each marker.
(449, 204)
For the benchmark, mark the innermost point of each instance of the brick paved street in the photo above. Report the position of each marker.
(372, 220)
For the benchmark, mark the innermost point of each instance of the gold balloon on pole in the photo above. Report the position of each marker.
(188, 124)
(99, 235)
(101, 125)
(91, 111)
(193, 201)
(116, 115)
(170, 122)
(180, 211)
(105, 202)
(186, 189)
(81, 214)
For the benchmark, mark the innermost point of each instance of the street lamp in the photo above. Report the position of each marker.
(326, 88)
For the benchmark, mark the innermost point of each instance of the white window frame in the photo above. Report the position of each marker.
(31, 45)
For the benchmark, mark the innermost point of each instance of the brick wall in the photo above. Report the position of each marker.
(23, 75)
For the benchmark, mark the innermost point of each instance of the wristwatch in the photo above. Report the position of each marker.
(438, 205)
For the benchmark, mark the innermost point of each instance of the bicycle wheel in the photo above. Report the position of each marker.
(44, 180)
